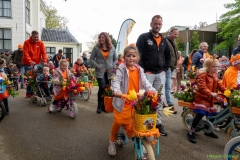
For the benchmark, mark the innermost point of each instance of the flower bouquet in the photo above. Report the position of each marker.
(30, 80)
(108, 97)
(72, 87)
(186, 95)
(234, 99)
(192, 74)
(6, 85)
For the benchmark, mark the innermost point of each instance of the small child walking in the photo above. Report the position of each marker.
(62, 73)
(129, 76)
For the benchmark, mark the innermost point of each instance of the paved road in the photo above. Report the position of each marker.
(31, 133)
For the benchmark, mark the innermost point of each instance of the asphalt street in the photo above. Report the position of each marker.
(31, 133)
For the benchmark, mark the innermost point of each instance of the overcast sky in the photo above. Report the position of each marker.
(88, 17)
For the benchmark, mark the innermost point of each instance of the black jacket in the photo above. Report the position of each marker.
(153, 58)
(17, 58)
(185, 63)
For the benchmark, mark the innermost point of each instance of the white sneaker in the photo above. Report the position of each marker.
(112, 148)
(52, 107)
(216, 128)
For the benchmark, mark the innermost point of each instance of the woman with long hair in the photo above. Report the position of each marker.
(187, 62)
(103, 58)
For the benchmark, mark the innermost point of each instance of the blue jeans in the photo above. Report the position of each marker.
(168, 87)
(21, 75)
(157, 80)
(26, 69)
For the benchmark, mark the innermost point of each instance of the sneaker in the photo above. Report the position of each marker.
(164, 105)
(211, 135)
(216, 128)
(22, 86)
(29, 95)
(173, 109)
(52, 107)
(112, 148)
(192, 138)
(161, 130)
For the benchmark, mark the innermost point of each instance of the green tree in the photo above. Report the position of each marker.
(229, 25)
(179, 44)
(54, 20)
(92, 43)
(195, 41)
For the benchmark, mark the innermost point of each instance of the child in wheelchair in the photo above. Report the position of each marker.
(44, 79)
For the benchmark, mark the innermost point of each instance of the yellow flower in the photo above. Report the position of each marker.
(64, 83)
(8, 82)
(193, 68)
(64, 87)
(4, 76)
(74, 91)
(167, 111)
(82, 83)
(82, 88)
(227, 93)
(132, 95)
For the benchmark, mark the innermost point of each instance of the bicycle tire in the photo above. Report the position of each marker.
(2, 111)
(73, 110)
(149, 151)
(229, 147)
(185, 118)
(230, 135)
(86, 94)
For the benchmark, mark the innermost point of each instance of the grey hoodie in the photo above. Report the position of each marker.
(120, 83)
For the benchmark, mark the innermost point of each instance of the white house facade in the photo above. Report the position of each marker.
(18, 18)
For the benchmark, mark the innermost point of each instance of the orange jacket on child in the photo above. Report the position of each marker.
(79, 68)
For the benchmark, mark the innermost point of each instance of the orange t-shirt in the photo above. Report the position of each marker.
(158, 40)
(105, 53)
(133, 81)
(64, 74)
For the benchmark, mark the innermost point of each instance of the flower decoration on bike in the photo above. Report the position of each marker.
(192, 74)
(186, 93)
(73, 87)
(108, 91)
(5, 83)
(30, 80)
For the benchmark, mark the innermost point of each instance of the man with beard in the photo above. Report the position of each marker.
(155, 59)
(17, 59)
(85, 60)
(57, 57)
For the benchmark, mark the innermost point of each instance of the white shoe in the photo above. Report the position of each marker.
(52, 107)
(216, 128)
(112, 148)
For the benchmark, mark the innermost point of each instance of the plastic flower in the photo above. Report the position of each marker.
(132, 95)
(141, 92)
(167, 111)
(227, 93)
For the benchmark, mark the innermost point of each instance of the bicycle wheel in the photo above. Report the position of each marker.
(147, 149)
(2, 111)
(73, 110)
(229, 148)
(231, 134)
(86, 94)
(187, 118)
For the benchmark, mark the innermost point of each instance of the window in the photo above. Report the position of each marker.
(5, 8)
(68, 53)
(50, 50)
(27, 12)
(5, 38)
(27, 35)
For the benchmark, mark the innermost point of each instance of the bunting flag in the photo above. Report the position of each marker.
(125, 30)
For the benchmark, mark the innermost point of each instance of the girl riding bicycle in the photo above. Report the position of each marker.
(62, 73)
(129, 76)
(207, 85)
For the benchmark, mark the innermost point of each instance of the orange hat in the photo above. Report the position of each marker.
(20, 46)
(235, 59)
(132, 44)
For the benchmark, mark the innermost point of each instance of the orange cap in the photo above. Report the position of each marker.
(132, 44)
(20, 46)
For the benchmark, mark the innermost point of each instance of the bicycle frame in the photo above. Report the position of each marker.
(138, 148)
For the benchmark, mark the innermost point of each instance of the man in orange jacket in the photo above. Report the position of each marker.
(33, 52)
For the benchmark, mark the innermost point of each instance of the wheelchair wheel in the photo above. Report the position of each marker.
(73, 110)
(86, 94)
(187, 118)
(34, 99)
(15, 85)
(231, 134)
(2, 111)
(43, 102)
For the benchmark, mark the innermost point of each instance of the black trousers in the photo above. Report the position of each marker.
(102, 82)
(197, 119)
(5, 102)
